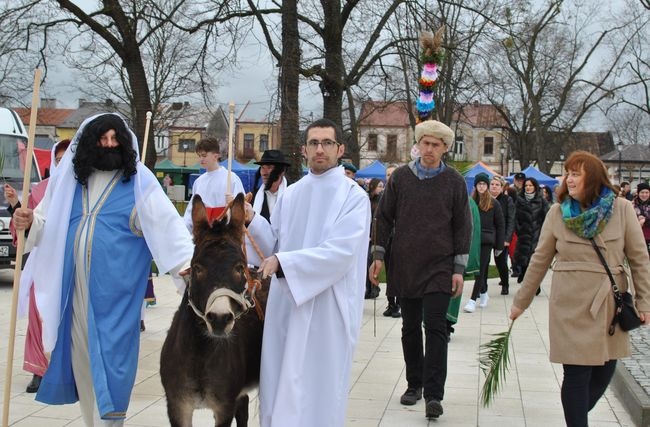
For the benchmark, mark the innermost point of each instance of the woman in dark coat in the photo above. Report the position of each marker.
(375, 190)
(530, 211)
(497, 185)
(492, 233)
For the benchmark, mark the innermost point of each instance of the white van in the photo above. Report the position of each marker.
(13, 149)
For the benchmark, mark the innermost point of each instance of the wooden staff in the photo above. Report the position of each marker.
(29, 158)
(146, 137)
(231, 133)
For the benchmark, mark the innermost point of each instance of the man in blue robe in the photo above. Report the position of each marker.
(102, 220)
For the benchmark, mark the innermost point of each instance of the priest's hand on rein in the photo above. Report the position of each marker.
(23, 218)
(373, 271)
(269, 266)
(250, 213)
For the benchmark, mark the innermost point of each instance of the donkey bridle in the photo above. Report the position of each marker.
(246, 299)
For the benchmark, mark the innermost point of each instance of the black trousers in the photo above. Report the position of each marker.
(502, 265)
(480, 283)
(581, 388)
(426, 366)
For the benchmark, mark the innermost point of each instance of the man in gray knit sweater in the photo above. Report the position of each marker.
(427, 203)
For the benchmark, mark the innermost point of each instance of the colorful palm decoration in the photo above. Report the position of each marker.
(432, 56)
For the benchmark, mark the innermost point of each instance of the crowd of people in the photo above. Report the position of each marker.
(104, 214)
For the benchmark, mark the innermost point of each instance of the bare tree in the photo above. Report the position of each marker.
(629, 109)
(134, 43)
(332, 54)
(289, 86)
(536, 72)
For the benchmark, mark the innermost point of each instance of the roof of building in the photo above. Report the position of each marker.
(395, 114)
(629, 153)
(88, 109)
(477, 115)
(45, 116)
(385, 114)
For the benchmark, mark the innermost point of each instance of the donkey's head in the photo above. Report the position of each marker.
(216, 290)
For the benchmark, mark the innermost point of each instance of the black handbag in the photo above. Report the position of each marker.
(625, 315)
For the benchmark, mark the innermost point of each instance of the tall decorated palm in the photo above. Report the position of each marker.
(432, 56)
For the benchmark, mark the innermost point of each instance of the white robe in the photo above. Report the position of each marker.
(313, 315)
(259, 197)
(211, 186)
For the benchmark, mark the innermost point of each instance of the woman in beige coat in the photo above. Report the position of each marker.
(581, 305)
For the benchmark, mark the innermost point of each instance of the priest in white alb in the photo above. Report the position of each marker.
(313, 317)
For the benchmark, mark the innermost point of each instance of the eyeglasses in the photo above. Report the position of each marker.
(326, 143)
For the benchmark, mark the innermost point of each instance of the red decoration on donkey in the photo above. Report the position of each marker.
(211, 356)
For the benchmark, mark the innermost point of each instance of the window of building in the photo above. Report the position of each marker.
(249, 139)
(391, 146)
(488, 145)
(372, 142)
(459, 145)
(186, 145)
(264, 142)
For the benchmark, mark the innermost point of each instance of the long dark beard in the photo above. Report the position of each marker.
(108, 158)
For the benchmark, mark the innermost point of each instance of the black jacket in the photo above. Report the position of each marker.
(492, 226)
(508, 210)
(529, 217)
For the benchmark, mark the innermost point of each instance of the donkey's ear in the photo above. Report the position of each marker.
(200, 223)
(237, 216)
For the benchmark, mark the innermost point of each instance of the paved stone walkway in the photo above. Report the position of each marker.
(531, 395)
(639, 364)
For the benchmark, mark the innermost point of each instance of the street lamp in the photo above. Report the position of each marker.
(185, 147)
(561, 164)
(502, 151)
(619, 146)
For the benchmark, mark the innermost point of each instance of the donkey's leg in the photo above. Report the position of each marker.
(223, 414)
(241, 411)
(179, 413)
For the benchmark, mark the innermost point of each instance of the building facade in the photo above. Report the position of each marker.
(253, 138)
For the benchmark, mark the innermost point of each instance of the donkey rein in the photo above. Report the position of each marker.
(253, 284)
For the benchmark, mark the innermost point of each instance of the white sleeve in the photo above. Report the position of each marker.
(264, 237)
(310, 271)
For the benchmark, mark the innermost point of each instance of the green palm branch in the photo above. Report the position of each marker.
(494, 361)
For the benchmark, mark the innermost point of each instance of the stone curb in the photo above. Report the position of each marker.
(633, 397)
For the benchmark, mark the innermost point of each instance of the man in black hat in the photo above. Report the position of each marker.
(519, 180)
(272, 168)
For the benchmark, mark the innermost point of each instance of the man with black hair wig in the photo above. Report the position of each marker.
(272, 168)
(102, 220)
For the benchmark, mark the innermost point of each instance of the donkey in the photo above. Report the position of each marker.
(211, 356)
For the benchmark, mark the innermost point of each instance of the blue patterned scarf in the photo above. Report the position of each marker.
(590, 222)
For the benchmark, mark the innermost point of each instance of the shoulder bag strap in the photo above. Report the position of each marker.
(615, 290)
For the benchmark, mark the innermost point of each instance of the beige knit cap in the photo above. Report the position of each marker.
(436, 129)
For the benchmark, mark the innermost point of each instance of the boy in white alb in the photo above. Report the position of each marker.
(212, 185)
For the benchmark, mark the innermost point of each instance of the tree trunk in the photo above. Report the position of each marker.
(352, 144)
(331, 85)
(289, 89)
(141, 104)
